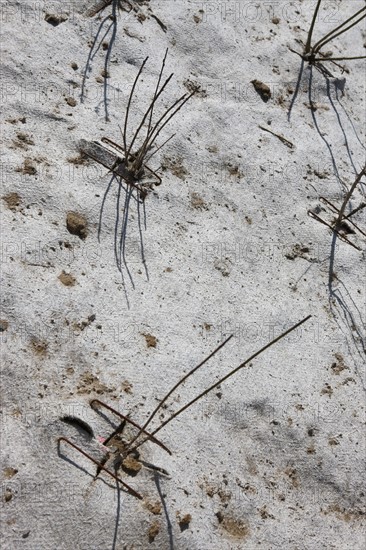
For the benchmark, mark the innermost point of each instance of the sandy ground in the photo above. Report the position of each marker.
(274, 458)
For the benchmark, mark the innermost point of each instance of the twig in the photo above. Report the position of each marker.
(128, 107)
(127, 419)
(283, 139)
(328, 37)
(348, 196)
(310, 34)
(332, 228)
(225, 378)
(311, 51)
(337, 58)
(160, 23)
(181, 381)
(98, 6)
(102, 467)
(347, 218)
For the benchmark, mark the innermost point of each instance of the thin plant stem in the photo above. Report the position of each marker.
(151, 137)
(130, 490)
(321, 59)
(348, 217)
(99, 6)
(348, 196)
(151, 106)
(115, 145)
(181, 381)
(330, 35)
(160, 147)
(310, 34)
(129, 420)
(231, 373)
(123, 139)
(332, 228)
(361, 207)
(129, 104)
(157, 87)
(170, 117)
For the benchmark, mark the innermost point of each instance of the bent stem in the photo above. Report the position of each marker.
(158, 149)
(97, 7)
(129, 421)
(102, 467)
(242, 365)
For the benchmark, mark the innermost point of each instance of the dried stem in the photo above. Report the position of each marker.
(150, 139)
(102, 467)
(127, 419)
(129, 104)
(330, 35)
(160, 147)
(348, 196)
(150, 109)
(152, 130)
(310, 34)
(190, 403)
(99, 6)
(181, 381)
(311, 51)
(332, 228)
(157, 87)
(339, 58)
(110, 142)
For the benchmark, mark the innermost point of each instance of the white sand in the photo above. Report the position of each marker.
(275, 459)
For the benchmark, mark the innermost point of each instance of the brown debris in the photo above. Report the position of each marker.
(76, 224)
(175, 165)
(67, 279)
(197, 202)
(151, 340)
(71, 101)
(9, 472)
(154, 531)
(3, 325)
(184, 521)
(153, 507)
(91, 384)
(262, 89)
(39, 347)
(24, 139)
(131, 466)
(55, 20)
(28, 168)
(13, 201)
(338, 366)
(126, 386)
(234, 527)
(8, 495)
